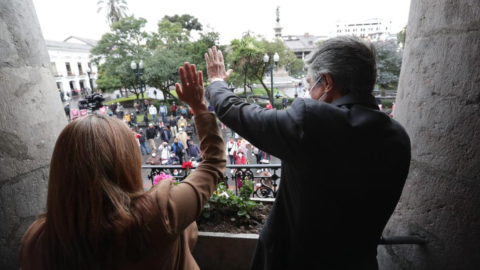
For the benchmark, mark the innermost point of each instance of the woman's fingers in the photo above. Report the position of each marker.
(188, 72)
(183, 78)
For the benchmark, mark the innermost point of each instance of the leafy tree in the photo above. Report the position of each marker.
(389, 63)
(288, 59)
(116, 10)
(246, 59)
(174, 30)
(115, 51)
(163, 52)
(161, 70)
(401, 36)
(187, 22)
(107, 82)
(171, 47)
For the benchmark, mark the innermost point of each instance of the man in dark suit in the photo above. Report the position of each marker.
(344, 162)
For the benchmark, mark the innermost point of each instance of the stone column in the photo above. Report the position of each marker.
(438, 102)
(31, 117)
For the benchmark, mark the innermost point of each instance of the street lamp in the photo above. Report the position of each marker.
(139, 72)
(276, 58)
(90, 79)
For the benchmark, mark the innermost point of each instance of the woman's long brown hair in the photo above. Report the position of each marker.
(95, 179)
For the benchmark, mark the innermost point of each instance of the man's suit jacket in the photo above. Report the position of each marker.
(344, 165)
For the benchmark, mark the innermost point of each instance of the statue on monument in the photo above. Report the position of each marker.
(278, 13)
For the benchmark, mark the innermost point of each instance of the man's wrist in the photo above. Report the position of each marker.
(215, 80)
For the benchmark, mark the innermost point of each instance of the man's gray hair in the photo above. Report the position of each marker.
(349, 60)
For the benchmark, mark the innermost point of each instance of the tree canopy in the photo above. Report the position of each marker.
(116, 51)
(245, 57)
(187, 22)
(389, 62)
(162, 52)
(165, 50)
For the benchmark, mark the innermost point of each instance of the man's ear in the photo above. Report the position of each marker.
(329, 84)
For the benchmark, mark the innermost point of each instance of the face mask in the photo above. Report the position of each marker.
(153, 155)
(307, 93)
(323, 96)
(240, 155)
(175, 173)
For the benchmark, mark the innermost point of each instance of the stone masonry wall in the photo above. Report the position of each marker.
(31, 117)
(438, 102)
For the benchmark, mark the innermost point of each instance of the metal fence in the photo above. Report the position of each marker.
(265, 177)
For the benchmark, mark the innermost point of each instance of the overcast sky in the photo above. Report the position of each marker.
(60, 19)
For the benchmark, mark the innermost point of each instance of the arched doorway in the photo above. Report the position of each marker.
(73, 87)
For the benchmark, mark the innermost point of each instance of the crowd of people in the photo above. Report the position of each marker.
(337, 149)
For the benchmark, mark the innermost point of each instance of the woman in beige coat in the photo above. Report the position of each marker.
(98, 215)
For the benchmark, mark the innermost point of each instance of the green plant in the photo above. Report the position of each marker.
(387, 103)
(224, 199)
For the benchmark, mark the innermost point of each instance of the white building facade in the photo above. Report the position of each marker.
(373, 29)
(70, 61)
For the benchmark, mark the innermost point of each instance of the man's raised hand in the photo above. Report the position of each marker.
(215, 65)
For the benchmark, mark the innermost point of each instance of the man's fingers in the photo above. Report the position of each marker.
(210, 54)
(220, 56)
(214, 53)
(229, 72)
(207, 59)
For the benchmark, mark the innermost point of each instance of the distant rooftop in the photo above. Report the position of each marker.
(90, 42)
(72, 43)
(302, 43)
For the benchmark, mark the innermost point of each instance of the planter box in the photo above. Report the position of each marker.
(224, 251)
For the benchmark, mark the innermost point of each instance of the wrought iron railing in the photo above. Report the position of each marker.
(266, 187)
(264, 176)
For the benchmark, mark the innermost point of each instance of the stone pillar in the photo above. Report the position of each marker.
(31, 117)
(438, 102)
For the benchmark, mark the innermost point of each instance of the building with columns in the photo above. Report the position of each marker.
(70, 61)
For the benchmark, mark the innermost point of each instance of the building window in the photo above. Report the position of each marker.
(69, 69)
(80, 71)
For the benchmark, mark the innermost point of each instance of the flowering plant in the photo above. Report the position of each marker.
(187, 165)
(162, 176)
